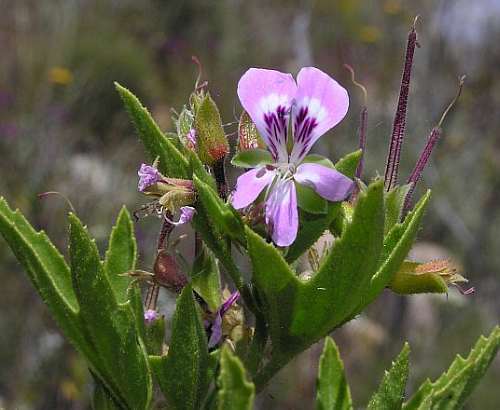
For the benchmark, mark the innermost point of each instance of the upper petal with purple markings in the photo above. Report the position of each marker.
(249, 186)
(320, 104)
(327, 182)
(267, 96)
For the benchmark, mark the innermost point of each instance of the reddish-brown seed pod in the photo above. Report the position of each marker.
(167, 273)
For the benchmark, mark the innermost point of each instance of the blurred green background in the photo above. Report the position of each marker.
(62, 127)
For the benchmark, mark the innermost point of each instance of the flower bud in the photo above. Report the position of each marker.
(211, 142)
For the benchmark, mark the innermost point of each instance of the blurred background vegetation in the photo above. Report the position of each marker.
(62, 127)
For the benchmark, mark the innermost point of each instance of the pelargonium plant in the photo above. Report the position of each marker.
(233, 330)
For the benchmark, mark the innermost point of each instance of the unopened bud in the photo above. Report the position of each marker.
(211, 142)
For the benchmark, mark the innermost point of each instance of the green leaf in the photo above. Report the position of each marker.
(300, 312)
(217, 244)
(394, 203)
(314, 225)
(182, 374)
(332, 389)
(236, 392)
(102, 398)
(390, 393)
(48, 272)
(333, 293)
(224, 219)
(252, 158)
(211, 141)
(310, 201)
(397, 244)
(206, 278)
(172, 162)
(451, 390)
(277, 287)
(110, 327)
(121, 255)
(155, 336)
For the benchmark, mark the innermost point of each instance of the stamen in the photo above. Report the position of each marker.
(399, 124)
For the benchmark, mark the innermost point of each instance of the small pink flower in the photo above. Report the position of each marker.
(148, 175)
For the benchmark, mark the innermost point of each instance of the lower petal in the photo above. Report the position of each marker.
(281, 213)
(249, 186)
(327, 182)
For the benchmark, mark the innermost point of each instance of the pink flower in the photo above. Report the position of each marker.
(314, 104)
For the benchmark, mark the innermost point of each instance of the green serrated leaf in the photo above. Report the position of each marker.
(277, 285)
(111, 327)
(225, 221)
(252, 158)
(217, 244)
(172, 163)
(298, 312)
(333, 392)
(121, 255)
(206, 278)
(334, 292)
(236, 392)
(452, 388)
(394, 203)
(182, 374)
(397, 244)
(390, 393)
(48, 272)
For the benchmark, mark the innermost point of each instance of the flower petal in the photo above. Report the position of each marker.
(327, 182)
(216, 335)
(320, 104)
(267, 96)
(249, 185)
(148, 175)
(281, 213)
